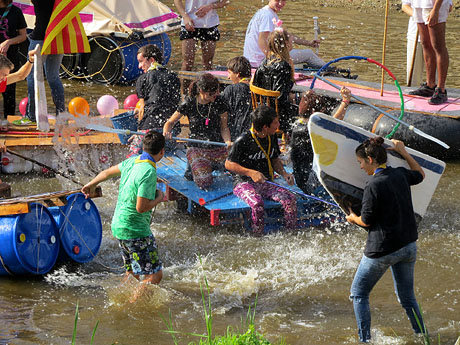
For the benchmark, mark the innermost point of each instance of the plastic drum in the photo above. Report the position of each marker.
(80, 228)
(114, 60)
(29, 243)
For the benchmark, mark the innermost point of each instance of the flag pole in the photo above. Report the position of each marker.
(384, 43)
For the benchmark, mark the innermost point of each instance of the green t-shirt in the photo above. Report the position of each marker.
(137, 179)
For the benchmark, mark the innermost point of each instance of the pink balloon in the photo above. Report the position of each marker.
(23, 106)
(130, 102)
(106, 104)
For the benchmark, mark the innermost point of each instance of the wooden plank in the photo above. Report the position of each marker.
(18, 208)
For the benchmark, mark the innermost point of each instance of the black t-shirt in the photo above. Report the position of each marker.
(160, 89)
(247, 153)
(204, 119)
(43, 10)
(277, 76)
(387, 208)
(301, 153)
(238, 97)
(11, 24)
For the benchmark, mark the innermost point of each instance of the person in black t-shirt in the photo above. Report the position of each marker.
(238, 96)
(158, 90)
(301, 150)
(277, 73)
(12, 32)
(253, 159)
(206, 111)
(388, 216)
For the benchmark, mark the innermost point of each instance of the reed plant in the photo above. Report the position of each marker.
(232, 337)
(74, 334)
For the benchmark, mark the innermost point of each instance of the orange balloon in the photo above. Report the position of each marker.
(79, 106)
(138, 104)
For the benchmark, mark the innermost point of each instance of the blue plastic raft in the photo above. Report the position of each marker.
(29, 243)
(80, 228)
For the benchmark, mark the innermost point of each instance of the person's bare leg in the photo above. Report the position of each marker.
(208, 49)
(148, 279)
(429, 55)
(188, 59)
(438, 40)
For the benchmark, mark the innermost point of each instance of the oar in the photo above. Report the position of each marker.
(411, 127)
(414, 55)
(44, 166)
(203, 202)
(302, 194)
(102, 128)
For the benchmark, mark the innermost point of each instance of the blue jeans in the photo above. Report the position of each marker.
(52, 63)
(401, 263)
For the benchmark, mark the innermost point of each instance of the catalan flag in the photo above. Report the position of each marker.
(65, 33)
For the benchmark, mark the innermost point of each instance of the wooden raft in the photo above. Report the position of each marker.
(21, 205)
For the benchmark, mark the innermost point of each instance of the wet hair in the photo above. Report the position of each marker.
(278, 50)
(240, 65)
(309, 103)
(263, 116)
(205, 83)
(153, 142)
(5, 62)
(151, 51)
(372, 147)
(7, 2)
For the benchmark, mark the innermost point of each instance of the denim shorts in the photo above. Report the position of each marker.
(140, 255)
(202, 34)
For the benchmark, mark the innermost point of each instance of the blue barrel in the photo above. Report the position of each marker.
(125, 121)
(28, 242)
(80, 228)
(114, 60)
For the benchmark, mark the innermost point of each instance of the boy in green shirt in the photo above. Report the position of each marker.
(137, 197)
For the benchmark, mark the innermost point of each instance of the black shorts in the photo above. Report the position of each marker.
(202, 34)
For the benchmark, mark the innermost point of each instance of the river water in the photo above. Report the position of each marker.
(300, 281)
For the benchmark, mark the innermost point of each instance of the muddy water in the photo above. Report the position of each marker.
(301, 281)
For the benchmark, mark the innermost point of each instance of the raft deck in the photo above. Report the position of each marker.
(223, 206)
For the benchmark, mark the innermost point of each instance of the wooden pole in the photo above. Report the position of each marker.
(414, 53)
(387, 7)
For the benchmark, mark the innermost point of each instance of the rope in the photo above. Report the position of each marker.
(79, 235)
(6, 267)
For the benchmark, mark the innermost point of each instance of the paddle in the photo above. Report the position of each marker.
(302, 194)
(411, 127)
(44, 166)
(102, 128)
(203, 202)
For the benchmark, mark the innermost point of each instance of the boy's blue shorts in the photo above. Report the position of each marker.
(140, 255)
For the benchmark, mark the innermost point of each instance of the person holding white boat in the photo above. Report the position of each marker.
(387, 214)
(260, 26)
(206, 111)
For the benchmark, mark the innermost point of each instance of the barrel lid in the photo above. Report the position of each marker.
(36, 243)
(80, 228)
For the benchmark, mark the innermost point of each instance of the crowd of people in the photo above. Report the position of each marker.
(248, 138)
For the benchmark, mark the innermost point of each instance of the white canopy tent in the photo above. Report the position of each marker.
(105, 17)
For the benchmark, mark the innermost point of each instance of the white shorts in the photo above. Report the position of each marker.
(421, 14)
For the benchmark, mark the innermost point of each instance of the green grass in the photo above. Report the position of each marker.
(74, 334)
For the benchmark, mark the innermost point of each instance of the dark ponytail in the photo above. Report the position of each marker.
(373, 147)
